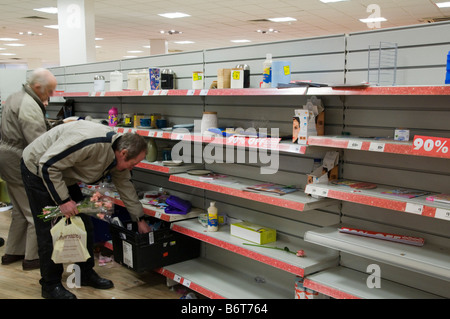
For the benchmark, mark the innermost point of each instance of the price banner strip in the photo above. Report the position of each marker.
(431, 146)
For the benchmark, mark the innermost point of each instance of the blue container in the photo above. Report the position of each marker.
(447, 78)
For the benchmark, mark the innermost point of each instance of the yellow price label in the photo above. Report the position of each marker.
(287, 70)
(196, 77)
(236, 75)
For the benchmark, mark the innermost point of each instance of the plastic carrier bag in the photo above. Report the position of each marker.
(69, 241)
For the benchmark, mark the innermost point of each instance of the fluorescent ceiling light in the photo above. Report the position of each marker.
(284, 19)
(51, 10)
(7, 54)
(146, 46)
(98, 46)
(443, 4)
(135, 51)
(98, 39)
(54, 26)
(15, 44)
(184, 42)
(8, 39)
(369, 20)
(129, 56)
(328, 1)
(240, 41)
(174, 15)
(1, 49)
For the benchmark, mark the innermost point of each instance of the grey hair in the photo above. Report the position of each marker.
(133, 143)
(40, 76)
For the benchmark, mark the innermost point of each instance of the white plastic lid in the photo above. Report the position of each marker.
(268, 56)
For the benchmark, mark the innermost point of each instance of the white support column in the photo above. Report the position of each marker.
(158, 46)
(76, 20)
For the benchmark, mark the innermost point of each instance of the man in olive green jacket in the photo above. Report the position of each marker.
(52, 166)
(23, 120)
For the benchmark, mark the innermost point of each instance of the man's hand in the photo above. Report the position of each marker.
(143, 227)
(69, 209)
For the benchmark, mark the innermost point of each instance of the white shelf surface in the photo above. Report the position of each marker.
(375, 197)
(428, 259)
(344, 283)
(217, 281)
(234, 186)
(317, 257)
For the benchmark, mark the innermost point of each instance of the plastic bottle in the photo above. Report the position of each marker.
(267, 72)
(213, 221)
(113, 117)
(447, 78)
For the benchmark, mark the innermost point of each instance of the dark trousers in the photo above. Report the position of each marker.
(39, 198)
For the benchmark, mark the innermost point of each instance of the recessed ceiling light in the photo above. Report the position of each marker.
(51, 10)
(170, 32)
(284, 19)
(146, 46)
(174, 15)
(184, 42)
(54, 26)
(443, 4)
(135, 51)
(369, 20)
(98, 46)
(8, 39)
(15, 44)
(7, 54)
(267, 31)
(240, 41)
(98, 39)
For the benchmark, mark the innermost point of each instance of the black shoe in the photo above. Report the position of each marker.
(57, 292)
(94, 280)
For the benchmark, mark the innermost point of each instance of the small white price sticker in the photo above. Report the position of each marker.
(145, 93)
(354, 145)
(190, 92)
(319, 191)
(186, 282)
(159, 134)
(414, 208)
(442, 213)
(177, 278)
(204, 92)
(376, 147)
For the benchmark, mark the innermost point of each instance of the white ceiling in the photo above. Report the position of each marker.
(130, 24)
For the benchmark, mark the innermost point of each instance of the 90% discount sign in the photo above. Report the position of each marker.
(431, 146)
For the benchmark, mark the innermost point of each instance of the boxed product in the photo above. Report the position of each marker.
(301, 126)
(254, 233)
(328, 171)
(401, 135)
(223, 78)
(281, 72)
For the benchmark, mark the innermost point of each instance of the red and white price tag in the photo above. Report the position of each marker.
(431, 146)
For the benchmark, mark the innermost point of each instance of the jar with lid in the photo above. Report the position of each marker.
(132, 79)
(167, 79)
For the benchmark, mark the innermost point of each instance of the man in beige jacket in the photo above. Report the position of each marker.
(52, 166)
(23, 120)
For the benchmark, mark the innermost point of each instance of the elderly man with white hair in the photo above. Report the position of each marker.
(23, 120)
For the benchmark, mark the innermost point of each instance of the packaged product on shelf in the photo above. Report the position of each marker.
(223, 78)
(308, 121)
(401, 135)
(327, 171)
(281, 73)
(253, 232)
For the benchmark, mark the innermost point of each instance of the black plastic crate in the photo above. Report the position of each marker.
(142, 252)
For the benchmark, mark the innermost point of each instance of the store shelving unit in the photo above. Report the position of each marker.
(320, 267)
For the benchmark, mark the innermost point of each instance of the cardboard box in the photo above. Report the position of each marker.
(301, 126)
(254, 233)
(401, 135)
(328, 171)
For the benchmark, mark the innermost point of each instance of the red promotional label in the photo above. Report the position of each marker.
(431, 146)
